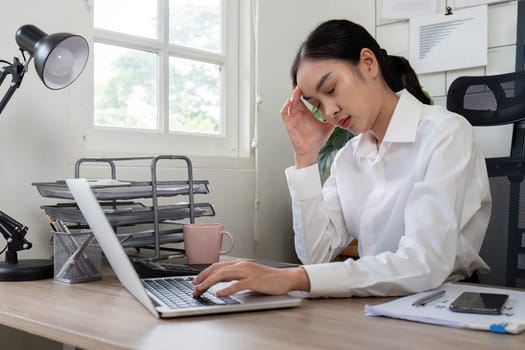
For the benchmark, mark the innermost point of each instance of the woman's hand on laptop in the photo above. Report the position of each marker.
(248, 275)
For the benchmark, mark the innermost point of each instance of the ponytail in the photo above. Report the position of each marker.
(398, 74)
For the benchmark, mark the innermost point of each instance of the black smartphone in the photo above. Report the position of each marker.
(479, 303)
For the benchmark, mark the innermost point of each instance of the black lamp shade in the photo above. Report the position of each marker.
(59, 58)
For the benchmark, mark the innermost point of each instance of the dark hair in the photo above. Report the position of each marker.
(344, 40)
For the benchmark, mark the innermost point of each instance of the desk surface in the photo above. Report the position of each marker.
(102, 315)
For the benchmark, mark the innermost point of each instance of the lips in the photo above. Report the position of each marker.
(344, 123)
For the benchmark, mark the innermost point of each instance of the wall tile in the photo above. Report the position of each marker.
(394, 38)
(502, 23)
(501, 60)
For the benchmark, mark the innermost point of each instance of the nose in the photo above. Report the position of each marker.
(330, 112)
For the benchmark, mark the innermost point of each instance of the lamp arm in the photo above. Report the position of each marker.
(4, 72)
(17, 71)
(14, 232)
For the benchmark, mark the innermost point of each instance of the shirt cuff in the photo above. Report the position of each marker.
(304, 183)
(328, 280)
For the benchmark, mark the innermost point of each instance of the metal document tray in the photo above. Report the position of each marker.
(124, 189)
(129, 213)
(134, 240)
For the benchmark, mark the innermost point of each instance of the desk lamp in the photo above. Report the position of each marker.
(59, 60)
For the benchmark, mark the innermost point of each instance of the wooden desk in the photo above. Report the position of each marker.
(102, 315)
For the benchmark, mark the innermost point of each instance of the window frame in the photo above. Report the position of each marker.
(234, 139)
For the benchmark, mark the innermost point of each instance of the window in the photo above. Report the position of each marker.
(166, 77)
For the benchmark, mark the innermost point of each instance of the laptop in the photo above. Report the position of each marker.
(164, 297)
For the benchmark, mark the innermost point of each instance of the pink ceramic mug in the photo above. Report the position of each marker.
(203, 242)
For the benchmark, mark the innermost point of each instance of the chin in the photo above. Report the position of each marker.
(353, 130)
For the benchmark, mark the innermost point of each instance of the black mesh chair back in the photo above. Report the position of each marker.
(489, 100)
(499, 100)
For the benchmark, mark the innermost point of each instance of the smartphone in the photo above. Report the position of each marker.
(479, 303)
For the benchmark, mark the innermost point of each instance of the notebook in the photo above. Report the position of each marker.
(151, 298)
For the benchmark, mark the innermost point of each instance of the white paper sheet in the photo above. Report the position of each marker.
(447, 42)
(436, 312)
(407, 8)
(467, 3)
(107, 182)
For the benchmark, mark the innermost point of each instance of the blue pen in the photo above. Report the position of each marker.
(428, 298)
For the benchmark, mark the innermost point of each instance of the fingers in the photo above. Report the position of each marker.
(249, 276)
(219, 272)
(211, 269)
(296, 94)
(232, 289)
(296, 104)
(292, 104)
(286, 108)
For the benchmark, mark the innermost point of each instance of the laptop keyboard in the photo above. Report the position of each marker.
(177, 293)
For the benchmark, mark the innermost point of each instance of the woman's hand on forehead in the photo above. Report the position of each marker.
(307, 134)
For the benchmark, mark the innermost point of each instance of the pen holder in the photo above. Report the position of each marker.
(77, 257)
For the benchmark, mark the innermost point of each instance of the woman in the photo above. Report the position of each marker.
(412, 186)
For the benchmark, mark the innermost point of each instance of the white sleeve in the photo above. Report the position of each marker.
(320, 232)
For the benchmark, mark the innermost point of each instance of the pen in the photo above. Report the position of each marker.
(428, 298)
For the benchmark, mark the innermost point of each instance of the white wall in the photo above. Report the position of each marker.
(34, 142)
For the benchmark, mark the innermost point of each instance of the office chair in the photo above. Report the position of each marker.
(498, 100)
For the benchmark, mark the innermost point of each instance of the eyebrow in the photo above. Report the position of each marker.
(319, 84)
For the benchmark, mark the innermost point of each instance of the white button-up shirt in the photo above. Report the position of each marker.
(419, 206)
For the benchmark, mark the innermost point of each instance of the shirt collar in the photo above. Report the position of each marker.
(402, 127)
(404, 121)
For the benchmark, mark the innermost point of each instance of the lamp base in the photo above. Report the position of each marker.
(26, 270)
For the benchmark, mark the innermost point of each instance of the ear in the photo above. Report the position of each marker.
(368, 63)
